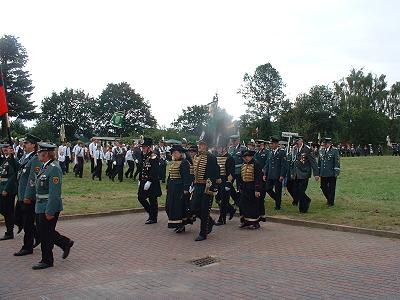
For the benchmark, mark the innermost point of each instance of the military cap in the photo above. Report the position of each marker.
(298, 137)
(148, 142)
(234, 137)
(4, 144)
(260, 142)
(178, 148)
(273, 140)
(193, 148)
(327, 140)
(248, 152)
(46, 147)
(251, 142)
(30, 138)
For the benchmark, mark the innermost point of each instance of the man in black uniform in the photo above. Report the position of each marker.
(149, 185)
(205, 187)
(28, 169)
(303, 162)
(275, 171)
(178, 183)
(250, 190)
(8, 189)
(119, 160)
(226, 165)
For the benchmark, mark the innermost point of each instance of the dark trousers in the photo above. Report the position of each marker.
(235, 194)
(50, 237)
(109, 168)
(138, 170)
(201, 206)
(290, 185)
(7, 206)
(274, 189)
(300, 187)
(67, 162)
(261, 202)
(150, 205)
(131, 168)
(222, 199)
(118, 170)
(27, 213)
(328, 187)
(79, 167)
(63, 166)
(163, 170)
(91, 164)
(98, 169)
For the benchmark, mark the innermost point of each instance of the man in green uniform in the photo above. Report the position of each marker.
(8, 188)
(303, 162)
(48, 207)
(205, 186)
(275, 171)
(261, 157)
(329, 169)
(28, 169)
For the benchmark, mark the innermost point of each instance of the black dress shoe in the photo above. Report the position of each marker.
(67, 249)
(180, 229)
(232, 214)
(41, 266)
(244, 225)
(255, 226)
(6, 237)
(23, 252)
(200, 238)
(219, 223)
(277, 208)
(150, 222)
(263, 219)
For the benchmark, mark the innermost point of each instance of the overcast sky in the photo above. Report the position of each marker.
(179, 53)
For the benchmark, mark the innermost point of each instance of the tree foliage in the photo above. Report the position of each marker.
(263, 92)
(13, 59)
(121, 97)
(73, 108)
(192, 120)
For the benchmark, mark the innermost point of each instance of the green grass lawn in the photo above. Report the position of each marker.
(368, 195)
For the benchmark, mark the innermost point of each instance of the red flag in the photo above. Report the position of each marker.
(3, 102)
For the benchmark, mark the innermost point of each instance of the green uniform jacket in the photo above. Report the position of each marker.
(261, 156)
(276, 164)
(303, 162)
(8, 175)
(48, 190)
(329, 162)
(236, 153)
(29, 168)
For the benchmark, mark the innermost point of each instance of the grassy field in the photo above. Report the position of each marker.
(368, 195)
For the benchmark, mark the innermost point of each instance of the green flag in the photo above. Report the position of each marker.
(118, 119)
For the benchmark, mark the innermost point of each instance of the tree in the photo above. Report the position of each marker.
(18, 128)
(73, 108)
(121, 97)
(192, 120)
(263, 92)
(46, 131)
(13, 59)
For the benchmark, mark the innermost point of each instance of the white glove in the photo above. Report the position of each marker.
(227, 188)
(114, 163)
(136, 161)
(191, 189)
(147, 185)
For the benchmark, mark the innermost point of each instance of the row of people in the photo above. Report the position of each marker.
(35, 179)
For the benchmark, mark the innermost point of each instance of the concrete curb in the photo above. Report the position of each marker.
(294, 222)
(334, 227)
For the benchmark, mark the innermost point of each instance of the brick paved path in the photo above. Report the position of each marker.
(118, 257)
